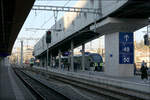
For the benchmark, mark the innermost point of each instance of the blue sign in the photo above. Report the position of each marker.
(126, 59)
(126, 37)
(66, 53)
(126, 48)
(87, 53)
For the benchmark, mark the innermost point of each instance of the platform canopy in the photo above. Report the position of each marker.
(13, 15)
(133, 9)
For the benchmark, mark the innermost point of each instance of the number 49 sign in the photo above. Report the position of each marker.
(126, 48)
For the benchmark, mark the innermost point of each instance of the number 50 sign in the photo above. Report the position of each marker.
(126, 48)
(126, 60)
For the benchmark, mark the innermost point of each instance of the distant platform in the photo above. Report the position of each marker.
(135, 82)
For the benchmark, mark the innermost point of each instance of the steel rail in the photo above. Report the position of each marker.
(41, 91)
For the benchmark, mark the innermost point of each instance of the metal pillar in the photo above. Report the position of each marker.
(83, 57)
(51, 60)
(54, 61)
(59, 59)
(69, 61)
(72, 53)
(17, 59)
(21, 60)
(40, 62)
(47, 56)
(149, 44)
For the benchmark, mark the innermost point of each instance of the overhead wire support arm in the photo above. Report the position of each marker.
(55, 18)
(30, 29)
(25, 38)
(66, 9)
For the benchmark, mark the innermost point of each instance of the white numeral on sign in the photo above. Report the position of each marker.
(126, 59)
(126, 37)
(126, 49)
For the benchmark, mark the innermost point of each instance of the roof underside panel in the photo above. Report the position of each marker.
(78, 39)
(134, 9)
(13, 14)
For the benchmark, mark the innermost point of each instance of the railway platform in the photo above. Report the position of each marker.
(134, 83)
(11, 88)
(95, 74)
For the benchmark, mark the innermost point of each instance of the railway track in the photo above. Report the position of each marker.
(39, 90)
(107, 91)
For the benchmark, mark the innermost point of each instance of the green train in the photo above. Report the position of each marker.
(93, 61)
(32, 60)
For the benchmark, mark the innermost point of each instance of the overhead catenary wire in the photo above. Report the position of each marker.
(41, 25)
(53, 16)
(55, 9)
(66, 9)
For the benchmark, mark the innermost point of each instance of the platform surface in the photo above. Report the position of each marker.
(11, 88)
(134, 82)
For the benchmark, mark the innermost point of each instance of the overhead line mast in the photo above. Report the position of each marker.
(66, 9)
(56, 9)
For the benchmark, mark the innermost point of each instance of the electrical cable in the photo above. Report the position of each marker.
(52, 16)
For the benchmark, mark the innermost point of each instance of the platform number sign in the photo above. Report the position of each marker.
(126, 48)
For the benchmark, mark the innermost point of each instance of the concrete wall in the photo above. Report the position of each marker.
(72, 22)
(112, 54)
(112, 66)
